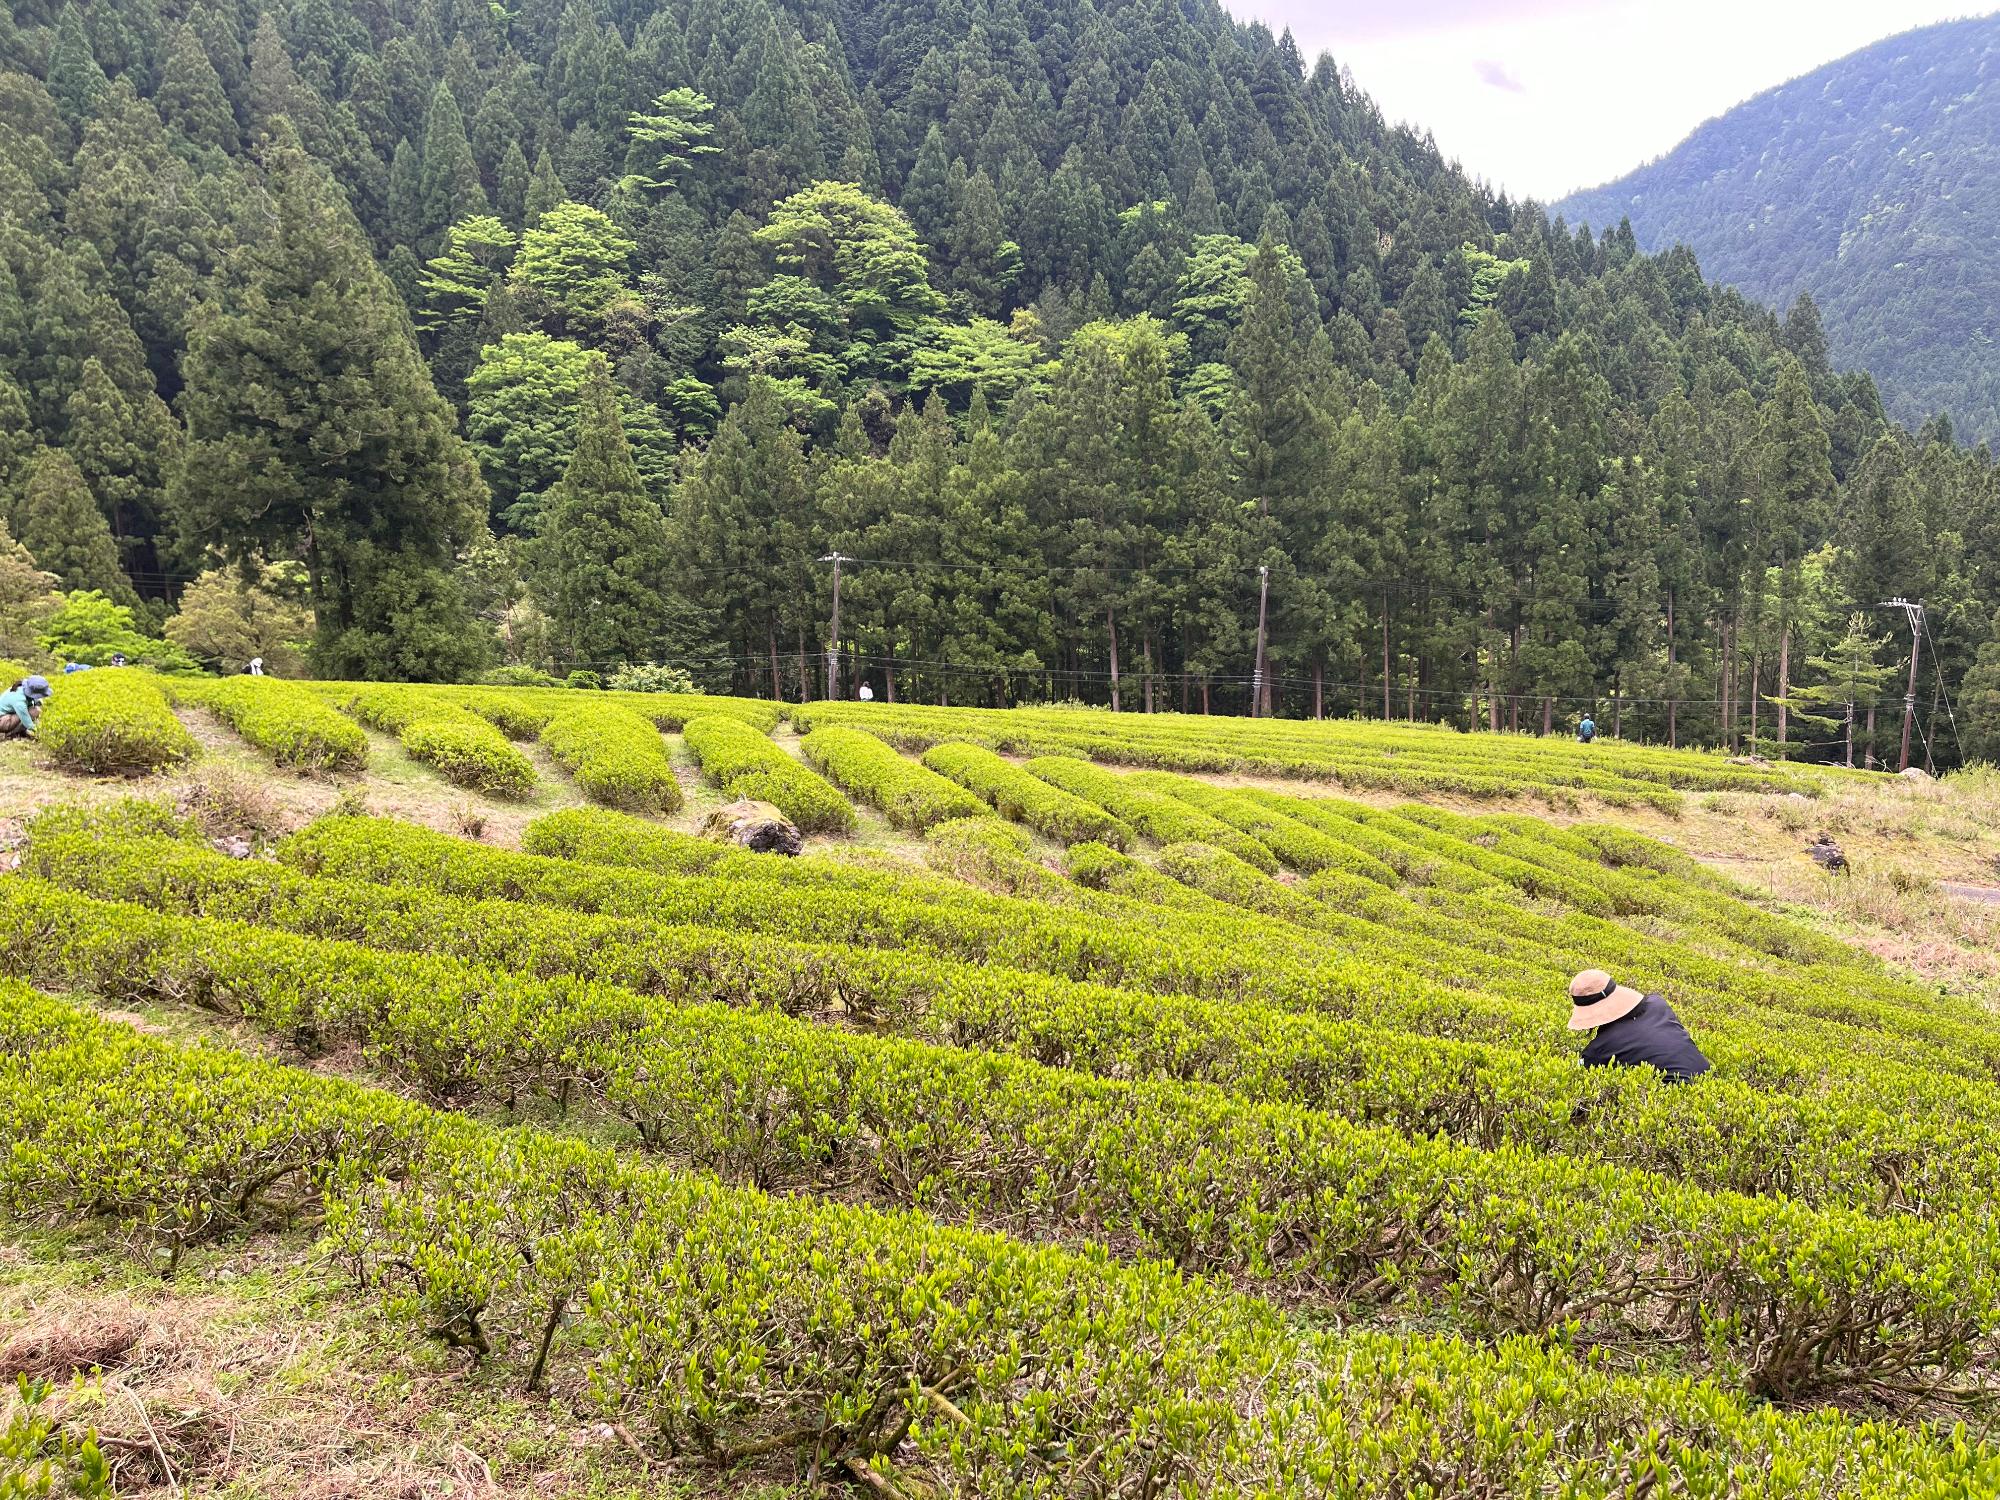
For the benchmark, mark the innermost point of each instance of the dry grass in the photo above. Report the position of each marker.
(255, 1374)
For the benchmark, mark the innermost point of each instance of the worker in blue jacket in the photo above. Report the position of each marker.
(1630, 1028)
(21, 707)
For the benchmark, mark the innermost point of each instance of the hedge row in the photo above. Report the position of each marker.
(617, 757)
(292, 724)
(599, 836)
(519, 716)
(460, 745)
(1403, 981)
(1221, 875)
(1161, 818)
(1023, 798)
(1904, 1143)
(523, 707)
(1783, 1297)
(1099, 867)
(741, 759)
(883, 910)
(1394, 757)
(879, 1341)
(1296, 844)
(112, 721)
(904, 792)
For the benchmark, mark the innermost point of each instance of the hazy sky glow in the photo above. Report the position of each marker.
(1541, 97)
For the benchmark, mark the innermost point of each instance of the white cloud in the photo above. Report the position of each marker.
(1591, 88)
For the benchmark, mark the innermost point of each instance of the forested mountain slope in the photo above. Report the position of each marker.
(1869, 183)
(577, 333)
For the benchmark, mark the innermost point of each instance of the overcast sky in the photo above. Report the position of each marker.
(1541, 97)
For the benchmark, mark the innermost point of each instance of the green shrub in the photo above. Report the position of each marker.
(462, 747)
(528, 677)
(1218, 873)
(291, 724)
(1799, 1114)
(91, 629)
(651, 677)
(112, 721)
(1307, 1204)
(674, 1310)
(908, 795)
(1162, 818)
(588, 681)
(617, 757)
(1024, 798)
(40, 1456)
(518, 715)
(127, 818)
(598, 836)
(742, 761)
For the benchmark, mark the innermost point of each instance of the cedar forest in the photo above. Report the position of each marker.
(465, 338)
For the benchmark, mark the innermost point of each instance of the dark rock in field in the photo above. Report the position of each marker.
(1827, 854)
(757, 826)
(1916, 773)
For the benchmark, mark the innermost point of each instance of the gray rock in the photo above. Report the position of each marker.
(756, 826)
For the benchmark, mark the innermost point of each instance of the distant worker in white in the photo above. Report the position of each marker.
(865, 693)
(256, 666)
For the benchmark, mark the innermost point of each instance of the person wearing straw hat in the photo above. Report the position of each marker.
(1630, 1028)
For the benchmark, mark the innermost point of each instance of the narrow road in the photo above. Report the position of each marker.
(1986, 893)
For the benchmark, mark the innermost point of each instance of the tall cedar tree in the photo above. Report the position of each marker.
(59, 523)
(314, 432)
(743, 509)
(603, 554)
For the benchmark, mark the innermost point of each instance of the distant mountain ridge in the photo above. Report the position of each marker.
(1873, 183)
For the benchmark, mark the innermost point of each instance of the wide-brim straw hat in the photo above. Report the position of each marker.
(1598, 1000)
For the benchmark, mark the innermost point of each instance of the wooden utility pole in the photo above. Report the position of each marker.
(1385, 653)
(1915, 614)
(1257, 672)
(833, 628)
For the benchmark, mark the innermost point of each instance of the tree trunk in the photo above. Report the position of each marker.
(889, 672)
(1319, 688)
(1548, 715)
(1673, 678)
(1868, 740)
(777, 678)
(1184, 685)
(1728, 645)
(1385, 656)
(1111, 625)
(1784, 686)
(1492, 676)
(1617, 712)
(805, 669)
(1147, 662)
(1756, 693)
(1204, 693)
(1513, 674)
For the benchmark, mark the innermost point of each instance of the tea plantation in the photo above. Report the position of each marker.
(1107, 1106)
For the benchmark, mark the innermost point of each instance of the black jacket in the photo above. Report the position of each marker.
(1652, 1033)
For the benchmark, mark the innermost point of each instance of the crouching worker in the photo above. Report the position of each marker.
(1631, 1028)
(21, 706)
